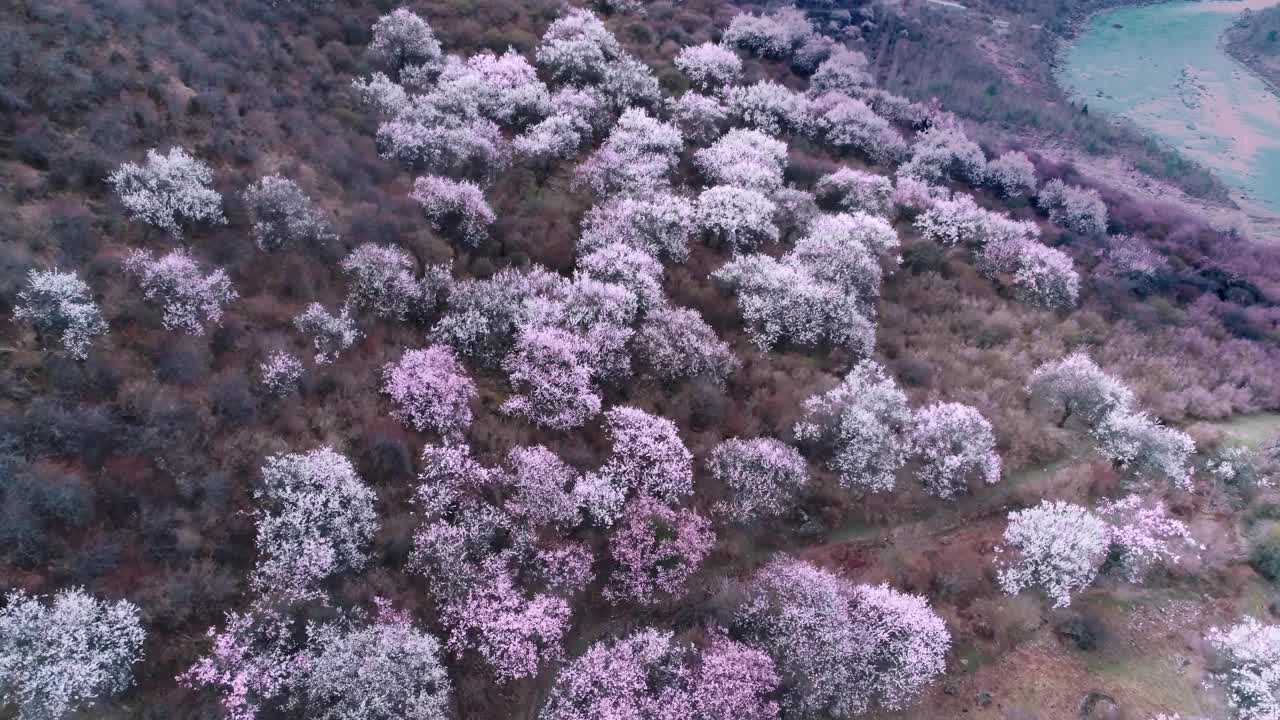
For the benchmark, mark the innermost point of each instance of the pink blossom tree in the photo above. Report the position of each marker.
(430, 390)
(190, 299)
(656, 550)
(541, 487)
(550, 378)
(514, 635)
(456, 207)
(955, 443)
(675, 343)
(647, 674)
(635, 270)
(424, 139)
(860, 428)
(842, 649)
(849, 125)
(637, 158)
(1144, 535)
(251, 662)
(762, 477)
(648, 456)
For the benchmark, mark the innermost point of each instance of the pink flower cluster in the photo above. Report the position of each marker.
(649, 675)
(656, 550)
(431, 390)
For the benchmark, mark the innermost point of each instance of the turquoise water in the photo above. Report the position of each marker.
(1163, 67)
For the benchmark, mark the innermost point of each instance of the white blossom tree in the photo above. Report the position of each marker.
(770, 108)
(774, 35)
(856, 191)
(944, 152)
(1012, 174)
(403, 39)
(762, 477)
(60, 305)
(283, 215)
(315, 517)
(745, 158)
(280, 373)
(577, 48)
(168, 190)
(381, 279)
(1056, 547)
(424, 139)
(860, 428)
(710, 67)
(1144, 449)
(955, 443)
(386, 668)
(1076, 387)
(190, 299)
(779, 302)
(60, 656)
(844, 71)
(700, 117)
(1249, 655)
(330, 334)
(502, 88)
(1045, 277)
(739, 218)
(1078, 209)
(659, 225)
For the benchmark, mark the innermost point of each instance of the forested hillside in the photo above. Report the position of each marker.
(491, 359)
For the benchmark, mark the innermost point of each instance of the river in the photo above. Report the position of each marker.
(1163, 67)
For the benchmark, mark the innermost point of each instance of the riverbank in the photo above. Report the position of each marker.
(1197, 100)
(1254, 40)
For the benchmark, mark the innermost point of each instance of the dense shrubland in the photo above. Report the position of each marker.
(583, 314)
